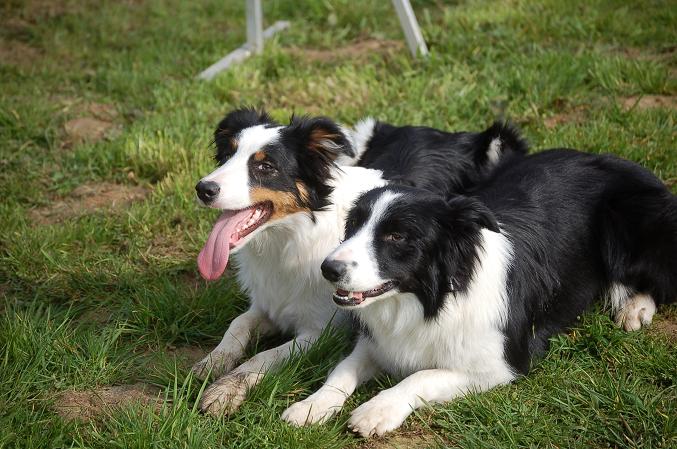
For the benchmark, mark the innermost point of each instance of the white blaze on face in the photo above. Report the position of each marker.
(239, 214)
(233, 176)
(359, 254)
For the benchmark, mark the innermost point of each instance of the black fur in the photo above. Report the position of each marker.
(578, 223)
(436, 160)
(437, 251)
(230, 126)
(415, 156)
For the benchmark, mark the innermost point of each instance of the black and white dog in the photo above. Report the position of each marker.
(285, 191)
(462, 294)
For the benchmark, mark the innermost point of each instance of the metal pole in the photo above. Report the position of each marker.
(412, 32)
(255, 26)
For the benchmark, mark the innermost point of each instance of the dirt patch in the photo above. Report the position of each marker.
(187, 355)
(18, 53)
(417, 438)
(82, 108)
(90, 404)
(664, 325)
(96, 316)
(574, 114)
(645, 54)
(359, 50)
(165, 246)
(86, 199)
(643, 102)
(36, 11)
(86, 129)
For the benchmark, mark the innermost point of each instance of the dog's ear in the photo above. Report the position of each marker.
(321, 136)
(225, 135)
(468, 213)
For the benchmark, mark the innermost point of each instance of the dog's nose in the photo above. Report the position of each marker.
(207, 191)
(333, 270)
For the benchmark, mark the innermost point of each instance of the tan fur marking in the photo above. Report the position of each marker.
(284, 203)
(259, 156)
(303, 191)
(317, 137)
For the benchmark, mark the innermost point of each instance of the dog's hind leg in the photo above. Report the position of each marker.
(631, 310)
(639, 242)
(227, 394)
(231, 348)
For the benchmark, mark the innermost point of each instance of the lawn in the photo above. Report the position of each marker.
(104, 131)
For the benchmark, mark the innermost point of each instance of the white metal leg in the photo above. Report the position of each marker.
(412, 32)
(256, 35)
(255, 26)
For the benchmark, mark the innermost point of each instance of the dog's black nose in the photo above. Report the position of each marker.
(207, 191)
(333, 270)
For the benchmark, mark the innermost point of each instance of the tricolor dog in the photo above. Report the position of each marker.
(462, 294)
(285, 191)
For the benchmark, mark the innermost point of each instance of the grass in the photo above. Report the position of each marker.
(104, 297)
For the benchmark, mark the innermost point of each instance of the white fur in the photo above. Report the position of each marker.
(233, 176)
(461, 350)
(279, 269)
(637, 311)
(362, 134)
(362, 268)
(495, 150)
(631, 310)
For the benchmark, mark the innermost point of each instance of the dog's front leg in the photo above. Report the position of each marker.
(227, 393)
(355, 369)
(388, 409)
(231, 348)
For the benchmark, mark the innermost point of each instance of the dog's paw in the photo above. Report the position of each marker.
(382, 414)
(216, 363)
(311, 411)
(638, 311)
(225, 395)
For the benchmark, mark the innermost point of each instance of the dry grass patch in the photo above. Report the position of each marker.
(18, 54)
(358, 50)
(644, 102)
(86, 129)
(186, 356)
(664, 325)
(572, 114)
(86, 199)
(91, 404)
(404, 439)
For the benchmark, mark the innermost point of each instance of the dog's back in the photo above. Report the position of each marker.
(434, 160)
(584, 226)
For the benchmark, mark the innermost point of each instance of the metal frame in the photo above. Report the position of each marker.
(412, 32)
(256, 36)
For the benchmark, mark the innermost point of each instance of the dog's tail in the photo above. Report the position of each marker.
(498, 143)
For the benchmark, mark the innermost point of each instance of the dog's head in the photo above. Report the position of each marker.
(267, 172)
(405, 240)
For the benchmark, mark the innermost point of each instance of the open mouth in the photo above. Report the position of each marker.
(347, 298)
(229, 230)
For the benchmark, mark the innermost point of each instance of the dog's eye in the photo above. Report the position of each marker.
(393, 237)
(265, 167)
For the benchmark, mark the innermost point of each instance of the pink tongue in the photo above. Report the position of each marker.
(213, 258)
